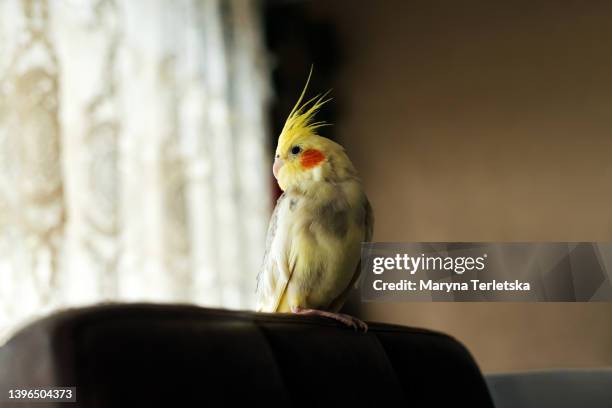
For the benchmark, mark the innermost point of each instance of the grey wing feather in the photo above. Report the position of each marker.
(269, 238)
(336, 305)
(369, 231)
(369, 221)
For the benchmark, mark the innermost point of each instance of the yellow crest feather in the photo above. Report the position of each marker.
(300, 119)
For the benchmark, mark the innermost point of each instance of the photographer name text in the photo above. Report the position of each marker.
(431, 285)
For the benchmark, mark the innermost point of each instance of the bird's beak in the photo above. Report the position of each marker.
(278, 163)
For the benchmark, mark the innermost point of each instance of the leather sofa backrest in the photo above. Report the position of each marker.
(186, 356)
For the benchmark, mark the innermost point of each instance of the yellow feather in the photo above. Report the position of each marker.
(300, 121)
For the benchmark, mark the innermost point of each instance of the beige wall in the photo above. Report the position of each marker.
(483, 122)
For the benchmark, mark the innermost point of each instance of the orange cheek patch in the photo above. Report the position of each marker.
(311, 158)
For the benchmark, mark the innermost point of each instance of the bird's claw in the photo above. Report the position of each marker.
(348, 320)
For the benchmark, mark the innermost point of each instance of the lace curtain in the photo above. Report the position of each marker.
(133, 162)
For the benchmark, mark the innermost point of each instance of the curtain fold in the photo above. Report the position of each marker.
(133, 163)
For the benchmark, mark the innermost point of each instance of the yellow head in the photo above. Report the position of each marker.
(302, 156)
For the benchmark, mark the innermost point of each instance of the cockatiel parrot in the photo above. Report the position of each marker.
(314, 238)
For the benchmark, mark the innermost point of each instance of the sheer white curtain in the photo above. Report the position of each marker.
(132, 153)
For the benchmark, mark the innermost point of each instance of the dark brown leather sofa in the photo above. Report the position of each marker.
(144, 355)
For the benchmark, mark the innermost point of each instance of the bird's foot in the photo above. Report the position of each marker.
(341, 317)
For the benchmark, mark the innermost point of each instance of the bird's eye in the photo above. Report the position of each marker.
(296, 150)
